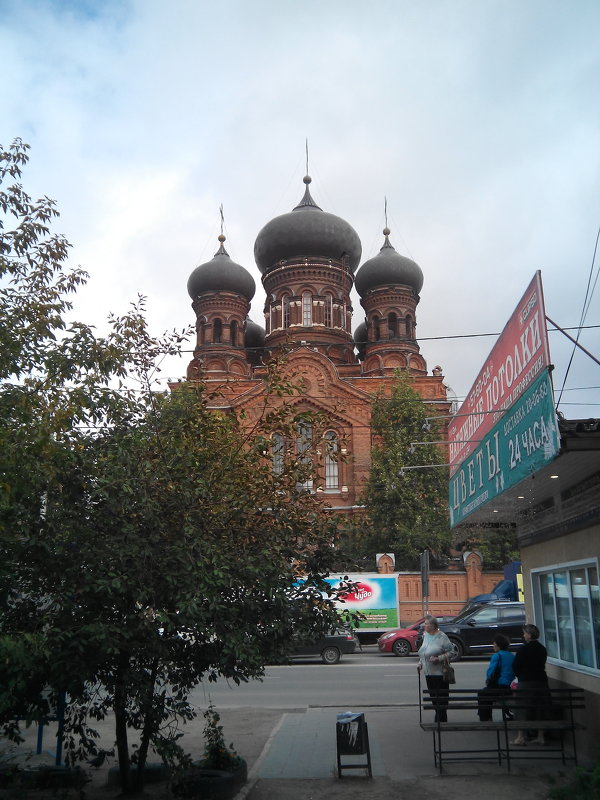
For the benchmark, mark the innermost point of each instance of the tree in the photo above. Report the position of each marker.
(405, 499)
(146, 543)
(497, 543)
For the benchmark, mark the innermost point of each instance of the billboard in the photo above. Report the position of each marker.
(373, 595)
(519, 356)
(524, 440)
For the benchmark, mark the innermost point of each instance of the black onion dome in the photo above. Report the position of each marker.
(221, 274)
(254, 335)
(306, 231)
(360, 338)
(387, 268)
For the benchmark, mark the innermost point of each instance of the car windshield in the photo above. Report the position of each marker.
(466, 612)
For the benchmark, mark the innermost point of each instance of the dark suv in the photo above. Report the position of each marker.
(330, 647)
(472, 632)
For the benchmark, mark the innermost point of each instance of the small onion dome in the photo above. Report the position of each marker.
(254, 335)
(221, 274)
(360, 339)
(388, 268)
(306, 231)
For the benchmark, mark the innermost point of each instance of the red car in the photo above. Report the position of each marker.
(402, 641)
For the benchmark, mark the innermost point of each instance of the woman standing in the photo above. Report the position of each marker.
(434, 651)
(530, 668)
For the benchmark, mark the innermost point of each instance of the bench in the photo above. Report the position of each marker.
(462, 706)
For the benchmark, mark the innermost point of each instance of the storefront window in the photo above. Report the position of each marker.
(549, 614)
(582, 617)
(565, 619)
(570, 607)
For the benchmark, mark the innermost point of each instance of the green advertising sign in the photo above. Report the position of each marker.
(521, 443)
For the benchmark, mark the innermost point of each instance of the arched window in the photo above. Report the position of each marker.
(233, 328)
(202, 332)
(304, 435)
(376, 331)
(217, 331)
(332, 478)
(328, 311)
(285, 311)
(392, 326)
(277, 453)
(410, 328)
(306, 309)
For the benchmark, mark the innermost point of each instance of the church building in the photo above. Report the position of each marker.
(309, 261)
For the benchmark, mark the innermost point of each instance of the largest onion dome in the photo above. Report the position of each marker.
(306, 231)
(221, 274)
(387, 268)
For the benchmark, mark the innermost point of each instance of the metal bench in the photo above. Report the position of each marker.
(462, 706)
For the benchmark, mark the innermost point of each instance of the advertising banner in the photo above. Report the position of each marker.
(516, 360)
(374, 596)
(521, 443)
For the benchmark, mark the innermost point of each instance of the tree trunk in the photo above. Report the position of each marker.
(121, 722)
(149, 715)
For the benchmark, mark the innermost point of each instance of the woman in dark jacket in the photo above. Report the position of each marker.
(530, 668)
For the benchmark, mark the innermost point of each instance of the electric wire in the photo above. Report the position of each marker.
(586, 304)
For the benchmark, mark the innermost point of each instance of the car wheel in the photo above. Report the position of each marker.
(457, 650)
(401, 647)
(330, 655)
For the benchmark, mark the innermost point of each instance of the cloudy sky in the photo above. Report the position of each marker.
(479, 120)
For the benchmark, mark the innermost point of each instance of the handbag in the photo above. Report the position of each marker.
(448, 672)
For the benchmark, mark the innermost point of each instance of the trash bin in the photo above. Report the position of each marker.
(352, 739)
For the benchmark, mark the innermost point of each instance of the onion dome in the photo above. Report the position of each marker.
(254, 335)
(388, 268)
(360, 339)
(306, 231)
(221, 274)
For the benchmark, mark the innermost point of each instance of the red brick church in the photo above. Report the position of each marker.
(309, 261)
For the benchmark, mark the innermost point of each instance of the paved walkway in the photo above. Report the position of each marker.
(291, 755)
(299, 761)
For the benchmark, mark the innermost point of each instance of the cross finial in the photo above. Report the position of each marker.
(222, 217)
(307, 155)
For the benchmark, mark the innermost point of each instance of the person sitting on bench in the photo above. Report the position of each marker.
(499, 677)
(530, 669)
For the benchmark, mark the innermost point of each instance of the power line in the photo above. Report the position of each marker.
(586, 304)
(354, 343)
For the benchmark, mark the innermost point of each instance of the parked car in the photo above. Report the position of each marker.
(330, 648)
(403, 641)
(472, 631)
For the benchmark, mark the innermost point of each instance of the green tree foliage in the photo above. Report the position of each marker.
(406, 507)
(497, 544)
(145, 543)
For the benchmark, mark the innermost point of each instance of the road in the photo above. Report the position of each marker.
(367, 678)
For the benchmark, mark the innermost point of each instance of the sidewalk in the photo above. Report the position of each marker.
(299, 762)
(291, 755)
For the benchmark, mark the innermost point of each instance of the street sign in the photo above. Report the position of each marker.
(520, 444)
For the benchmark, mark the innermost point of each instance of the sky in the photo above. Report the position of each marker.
(478, 120)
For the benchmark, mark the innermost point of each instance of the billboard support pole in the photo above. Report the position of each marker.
(575, 342)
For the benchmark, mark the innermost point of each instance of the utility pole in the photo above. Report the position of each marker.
(424, 559)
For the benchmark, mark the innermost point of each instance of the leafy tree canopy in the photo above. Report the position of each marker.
(405, 499)
(145, 543)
